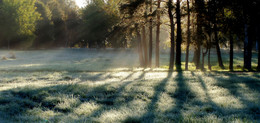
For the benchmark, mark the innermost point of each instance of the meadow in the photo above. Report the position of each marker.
(80, 85)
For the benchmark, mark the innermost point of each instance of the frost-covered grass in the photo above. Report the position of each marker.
(129, 97)
(100, 60)
(70, 60)
(115, 90)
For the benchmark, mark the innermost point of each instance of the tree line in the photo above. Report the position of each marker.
(57, 23)
(199, 24)
(208, 24)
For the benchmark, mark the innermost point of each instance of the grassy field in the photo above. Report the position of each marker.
(107, 86)
(101, 60)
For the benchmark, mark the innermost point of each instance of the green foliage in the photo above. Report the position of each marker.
(98, 18)
(18, 21)
(44, 27)
(58, 24)
(39, 24)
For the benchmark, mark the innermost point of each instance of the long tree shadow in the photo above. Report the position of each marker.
(17, 102)
(231, 82)
(232, 85)
(182, 95)
(213, 106)
(20, 101)
(115, 96)
(149, 116)
(252, 83)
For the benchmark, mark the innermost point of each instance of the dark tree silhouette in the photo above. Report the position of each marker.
(188, 37)
(172, 27)
(199, 7)
(179, 36)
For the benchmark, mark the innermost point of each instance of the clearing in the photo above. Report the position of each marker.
(107, 86)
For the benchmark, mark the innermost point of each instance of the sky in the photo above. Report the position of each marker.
(81, 3)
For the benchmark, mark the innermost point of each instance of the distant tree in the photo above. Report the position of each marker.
(139, 43)
(172, 27)
(58, 18)
(59, 29)
(247, 39)
(18, 21)
(44, 28)
(144, 38)
(179, 36)
(97, 21)
(258, 36)
(228, 28)
(144, 41)
(220, 61)
(134, 14)
(200, 9)
(188, 37)
(151, 34)
(157, 50)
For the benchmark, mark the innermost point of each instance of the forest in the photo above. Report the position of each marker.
(129, 61)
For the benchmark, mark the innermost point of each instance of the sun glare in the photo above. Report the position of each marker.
(81, 3)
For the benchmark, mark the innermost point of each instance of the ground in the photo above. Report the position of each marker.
(107, 86)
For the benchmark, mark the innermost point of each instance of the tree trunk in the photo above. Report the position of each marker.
(258, 43)
(157, 64)
(199, 5)
(139, 46)
(205, 53)
(203, 57)
(67, 35)
(246, 54)
(170, 7)
(209, 65)
(231, 53)
(209, 43)
(144, 46)
(247, 40)
(188, 38)
(196, 57)
(140, 49)
(220, 62)
(125, 42)
(8, 44)
(193, 21)
(151, 36)
(179, 37)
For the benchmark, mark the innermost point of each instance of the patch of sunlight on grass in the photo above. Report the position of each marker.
(120, 115)
(247, 93)
(165, 103)
(155, 76)
(228, 102)
(223, 98)
(86, 108)
(129, 96)
(43, 114)
(30, 65)
(67, 103)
